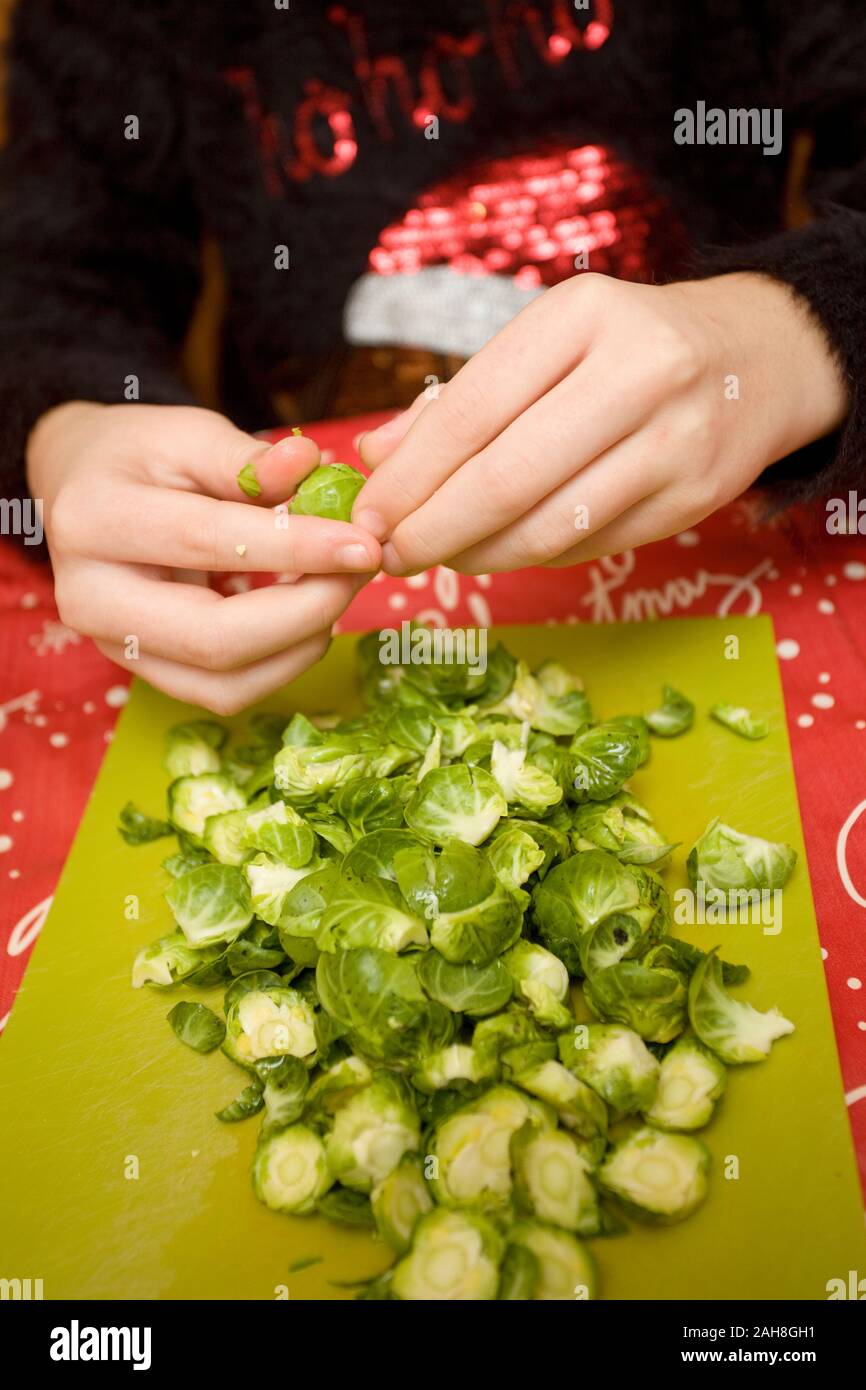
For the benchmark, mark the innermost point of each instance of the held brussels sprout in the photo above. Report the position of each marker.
(674, 716)
(739, 720)
(471, 1147)
(192, 799)
(210, 904)
(456, 802)
(566, 1269)
(290, 1172)
(399, 1201)
(647, 998)
(455, 1257)
(552, 1181)
(368, 912)
(329, 491)
(535, 1070)
(734, 1030)
(194, 748)
(660, 1177)
(449, 1066)
(372, 1132)
(269, 1023)
(691, 1080)
(475, 990)
(542, 980)
(725, 859)
(615, 1062)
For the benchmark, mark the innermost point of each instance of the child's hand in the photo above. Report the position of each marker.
(604, 416)
(133, 494)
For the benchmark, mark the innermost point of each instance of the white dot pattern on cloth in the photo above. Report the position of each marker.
(788, 648)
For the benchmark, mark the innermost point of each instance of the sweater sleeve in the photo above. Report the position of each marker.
(821, 57)
(98, 237)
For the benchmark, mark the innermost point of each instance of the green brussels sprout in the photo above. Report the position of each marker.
(336, 1085)
(137, 828)
(472, 917)
(272, 1022)
(285, 1081)
(306, 774)
(727, 860)
(615, 1062)
(302, 908)
(553, 843)
(278, 831)
(210, 904)
(647, 998)
(552, 1181)
(399, 1201)
(329, 491)
(471, 1148)
(659, 1177)
(566, 1269)
(456, 802)
(377, 996)
(739, 720)
(197, 1026)
(691, 1080)
(192, 799)
(372, 1131)
(518, 1277)
(223, 836)
(369, 803)
(639, 727)
(514, 1027)
(187, 857)
(449, 1066)
(194, 748)
(373, 856)
(603, 758)
(368, 912)
(170, 959)
(578, 894)
(514, 857)
(290, 1171)
(476, 990)
(270, 884)
(734, 1030)
(541, 979)
(535, 700)
(533, 1067)
(674, 716)
(523, 785)
(617, 938)
(455, 1257)
(622, 825)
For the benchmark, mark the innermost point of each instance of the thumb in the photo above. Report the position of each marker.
(269, 473)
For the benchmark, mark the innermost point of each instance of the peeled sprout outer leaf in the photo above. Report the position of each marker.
(730, 861)
(739, 720)
(674, 716)
(734, 1030)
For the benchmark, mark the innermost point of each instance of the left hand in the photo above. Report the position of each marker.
(604, 416)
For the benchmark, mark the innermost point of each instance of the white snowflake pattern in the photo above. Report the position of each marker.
(54, 638)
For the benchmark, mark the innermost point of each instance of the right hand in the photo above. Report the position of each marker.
(134, 493)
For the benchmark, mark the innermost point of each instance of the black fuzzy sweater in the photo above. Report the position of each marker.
(100, 234)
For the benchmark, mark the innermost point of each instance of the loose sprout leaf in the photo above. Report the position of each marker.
(731, 862)
(674, 715)
(197, 1026)
(137, 828)
(249, 1102)
(347, 1208)
(329, 491)
(739, 720)
(187, 858)
(248, 482)
(304, 1262)
(733, 1029)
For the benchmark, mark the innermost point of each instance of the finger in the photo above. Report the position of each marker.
(606, 488)
(589, 412)
(653, 519)
(221, 452)
(376, 445)
(224, 692)
(183, 530)
(518, 366)
(195, 626)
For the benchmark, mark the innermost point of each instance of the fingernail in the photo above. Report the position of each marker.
(391, 561)
(355, 557)
(372, 522)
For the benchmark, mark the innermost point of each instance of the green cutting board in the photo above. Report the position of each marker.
(116, 1181)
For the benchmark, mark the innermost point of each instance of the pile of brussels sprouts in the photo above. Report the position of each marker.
(398, 906)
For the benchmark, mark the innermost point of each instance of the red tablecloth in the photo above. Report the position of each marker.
(59, 699)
